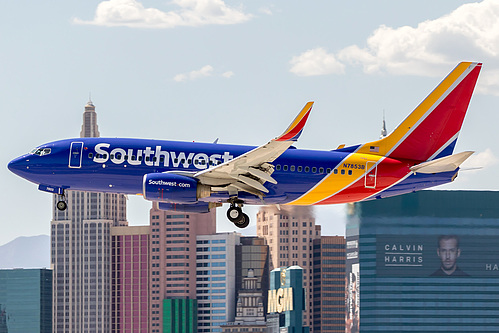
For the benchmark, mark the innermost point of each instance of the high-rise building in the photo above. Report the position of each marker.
(180, 315)
(81, 253)
(289, 233)
(173, 259)
(287, 300)
(250, 315)
(216, 280)
(424, 262)
(252, 254)
(329, 284)
(25, 300)
(130, 279)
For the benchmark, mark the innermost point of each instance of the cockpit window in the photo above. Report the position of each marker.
(40, 151)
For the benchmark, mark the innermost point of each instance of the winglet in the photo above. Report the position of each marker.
(293, 132)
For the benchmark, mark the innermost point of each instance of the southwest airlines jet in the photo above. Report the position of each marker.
(197, 177)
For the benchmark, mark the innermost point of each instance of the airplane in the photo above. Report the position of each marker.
(197, 177)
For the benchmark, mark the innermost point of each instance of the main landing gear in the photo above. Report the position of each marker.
(61, 204)
(235, 214)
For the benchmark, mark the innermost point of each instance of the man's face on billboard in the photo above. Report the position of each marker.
(448, 253)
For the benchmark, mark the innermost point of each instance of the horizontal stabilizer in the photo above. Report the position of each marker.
(444, 164)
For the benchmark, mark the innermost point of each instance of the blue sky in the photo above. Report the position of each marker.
(237, 71)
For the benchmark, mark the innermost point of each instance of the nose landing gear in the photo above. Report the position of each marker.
(235, 214)
(61, 204)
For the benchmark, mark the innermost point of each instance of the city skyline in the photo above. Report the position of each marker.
(261, 63)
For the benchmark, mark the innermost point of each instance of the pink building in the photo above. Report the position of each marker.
(130, 279)
(173, 257)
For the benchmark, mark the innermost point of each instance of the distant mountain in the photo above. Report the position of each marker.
(26, 252)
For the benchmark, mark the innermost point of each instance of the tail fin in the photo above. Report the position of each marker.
(431, 130)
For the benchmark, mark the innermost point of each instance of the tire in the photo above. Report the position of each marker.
(244, 222)
(61, 205)
(234, 214)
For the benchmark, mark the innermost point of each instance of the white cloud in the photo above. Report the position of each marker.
(194, 75)
(205, 71)
(132, 13)
(469, 33)
(483, 160)
(228, 74)
(267, 10)
(316, 62)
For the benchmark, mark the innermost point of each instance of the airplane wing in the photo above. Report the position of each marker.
(250, 171)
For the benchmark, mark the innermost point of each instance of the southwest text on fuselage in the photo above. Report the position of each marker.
(157, 157)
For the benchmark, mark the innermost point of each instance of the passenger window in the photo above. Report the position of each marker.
(321, 170)
(292, 168)
(328, 170)
(335, 171)
(314, 169)
(349, 172)
(134, 157)
(90, 155)
(342, 171)
(307, 169)
(300, 168)
(284, 168)
(278, 167)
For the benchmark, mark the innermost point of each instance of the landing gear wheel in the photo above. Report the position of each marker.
(234, 214)
(62, 205)
(243, 223)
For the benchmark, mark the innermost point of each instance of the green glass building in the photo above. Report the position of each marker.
(180, 315)
(25, 300)
(424, 262)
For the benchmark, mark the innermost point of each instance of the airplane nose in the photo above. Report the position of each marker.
(17, 165)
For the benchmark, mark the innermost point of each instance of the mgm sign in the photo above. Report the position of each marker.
(281, 299)
(287, 296)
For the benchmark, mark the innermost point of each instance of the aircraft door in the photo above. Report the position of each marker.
(370, 178)
(75, 154)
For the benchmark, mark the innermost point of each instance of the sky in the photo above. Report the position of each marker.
(201, 70)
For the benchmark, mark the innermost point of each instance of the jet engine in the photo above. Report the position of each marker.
(169, 187)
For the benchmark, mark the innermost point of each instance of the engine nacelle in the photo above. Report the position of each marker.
(169, 187)
(198, 207)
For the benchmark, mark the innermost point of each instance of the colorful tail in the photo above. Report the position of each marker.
(431, 130)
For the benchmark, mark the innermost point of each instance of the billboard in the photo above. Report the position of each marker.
(444, 255)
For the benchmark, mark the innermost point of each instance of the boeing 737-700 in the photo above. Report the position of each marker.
(197, 177)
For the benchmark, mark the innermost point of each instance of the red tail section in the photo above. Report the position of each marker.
(433, 127)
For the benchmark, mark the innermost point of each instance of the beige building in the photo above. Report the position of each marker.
(81, 253)
(290, 232)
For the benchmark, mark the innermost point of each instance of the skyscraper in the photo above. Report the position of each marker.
(173, 261)
(424, 262)
(290, 233)
(25, 300)
(130, 279)
(81, 253)
(216, 280)
(329, 284)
